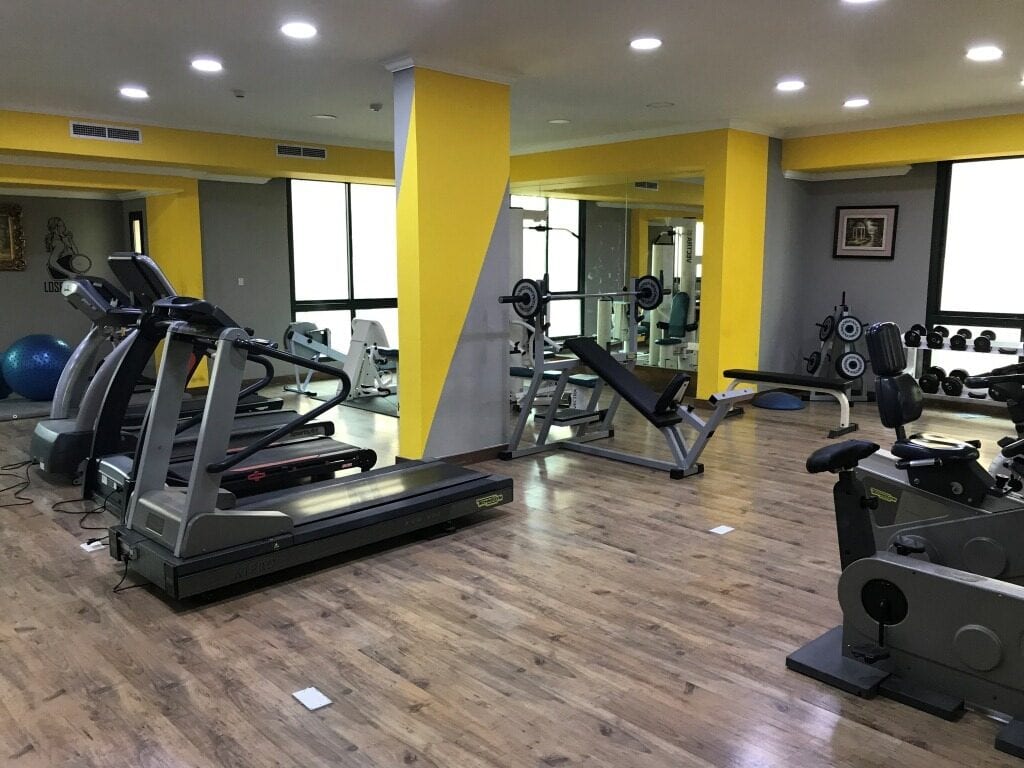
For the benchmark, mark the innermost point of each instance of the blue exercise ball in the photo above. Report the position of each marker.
(32, 365)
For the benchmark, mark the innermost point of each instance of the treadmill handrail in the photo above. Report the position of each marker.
(290, 426)
(252, 389)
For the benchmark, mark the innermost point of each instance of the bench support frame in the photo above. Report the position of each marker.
(844, 428)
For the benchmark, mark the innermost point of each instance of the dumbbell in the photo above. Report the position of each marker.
(932, 379)
(959, 340)
(937, 337)
(912, 338)
(996, 395)
(953, 385)
(984, 341)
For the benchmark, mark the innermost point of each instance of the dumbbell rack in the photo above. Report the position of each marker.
(919, 358)
(837, 355)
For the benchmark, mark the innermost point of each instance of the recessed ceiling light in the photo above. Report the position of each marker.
(859, 2)
(300, 30)
(134, 92)
(206, 64)
(559, 121)
(856, 103)
(789, 85)
(645, 44)
(325, 116)
(984, 53)
(661, 104)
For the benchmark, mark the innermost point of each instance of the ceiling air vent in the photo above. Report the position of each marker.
(105, 132)
(293, 150)
(651, 185)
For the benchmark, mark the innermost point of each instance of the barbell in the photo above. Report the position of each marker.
(529, 296)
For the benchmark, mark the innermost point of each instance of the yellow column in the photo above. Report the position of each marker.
(452, 172)
(175, 243)
(638, 256)
(735, 191)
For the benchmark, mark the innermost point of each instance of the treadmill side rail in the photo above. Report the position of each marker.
(185, 577)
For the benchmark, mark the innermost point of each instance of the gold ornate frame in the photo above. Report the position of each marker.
(12, 238)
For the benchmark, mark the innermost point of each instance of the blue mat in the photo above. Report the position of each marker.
(777, 400)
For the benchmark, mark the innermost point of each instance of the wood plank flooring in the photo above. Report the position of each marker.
(593, 622)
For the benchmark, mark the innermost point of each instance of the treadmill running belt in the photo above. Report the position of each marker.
(313, 457)
(360, 492)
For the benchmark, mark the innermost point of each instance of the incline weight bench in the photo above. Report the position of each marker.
(661, 410)
(838, 389)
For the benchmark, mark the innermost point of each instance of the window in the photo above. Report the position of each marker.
(344, 256)
(557, 252)
(977, 256)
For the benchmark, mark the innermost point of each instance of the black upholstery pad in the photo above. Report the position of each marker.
(844, 455)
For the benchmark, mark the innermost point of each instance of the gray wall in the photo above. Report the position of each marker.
(605, 249)
(245, 235)
(27, 308)
(803, 282)
(785, 218)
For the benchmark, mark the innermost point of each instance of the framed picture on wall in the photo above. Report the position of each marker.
(12, 238)
(865, 233)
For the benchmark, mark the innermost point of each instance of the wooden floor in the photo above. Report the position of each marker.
(593, 622)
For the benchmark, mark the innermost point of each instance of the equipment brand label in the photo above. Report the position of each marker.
(489, 501)
(883, 496)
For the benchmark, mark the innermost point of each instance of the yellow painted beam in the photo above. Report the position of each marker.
(175, 243)
(735, 191)
(669, 193)
(72, 178)
(667, 156)
(33, 133)
(906, 145)
(454, 182)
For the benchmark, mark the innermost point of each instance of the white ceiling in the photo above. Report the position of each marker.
(565, 58)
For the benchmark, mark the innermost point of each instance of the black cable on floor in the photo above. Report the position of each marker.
(23, 484)
(102, 507)
(124, 575)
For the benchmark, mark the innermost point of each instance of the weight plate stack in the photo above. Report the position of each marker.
(851, 365)
(528, 298)
(813, 362)
(649, 293)
(849, 329)
(825, 328)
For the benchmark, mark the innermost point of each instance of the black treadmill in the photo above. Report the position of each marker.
(310, 452)
(185, 542)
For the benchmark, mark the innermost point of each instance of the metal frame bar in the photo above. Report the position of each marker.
(844, 428)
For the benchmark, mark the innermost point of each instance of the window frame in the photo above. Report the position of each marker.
(940, 220)
(351, 305)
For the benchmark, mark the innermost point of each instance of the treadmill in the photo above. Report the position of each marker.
(305, 454)
(186, 541)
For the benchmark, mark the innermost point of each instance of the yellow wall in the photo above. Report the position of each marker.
(909, 144)
(31, 133)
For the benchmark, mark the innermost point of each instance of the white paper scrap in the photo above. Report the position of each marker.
(95, 546)
(721, 529)
(311, 698)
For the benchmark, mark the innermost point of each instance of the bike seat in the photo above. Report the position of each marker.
(841, 456)
(929, 446)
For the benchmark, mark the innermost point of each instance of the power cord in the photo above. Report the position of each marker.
(23, 483)
(124, 575)
(101, 507)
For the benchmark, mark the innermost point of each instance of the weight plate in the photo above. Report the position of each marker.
(849, 329)
(648, 292)
(990, 335)
(827, 326)
(850, 366)
(813, 362)
(528, 298)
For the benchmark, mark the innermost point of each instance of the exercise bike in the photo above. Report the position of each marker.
(931, 498)
(932, 617)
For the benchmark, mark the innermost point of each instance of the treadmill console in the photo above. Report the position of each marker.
(194, 311)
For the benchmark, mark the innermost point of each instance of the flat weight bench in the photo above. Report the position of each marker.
(585, 380)
(659, 408)
(840, 390)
